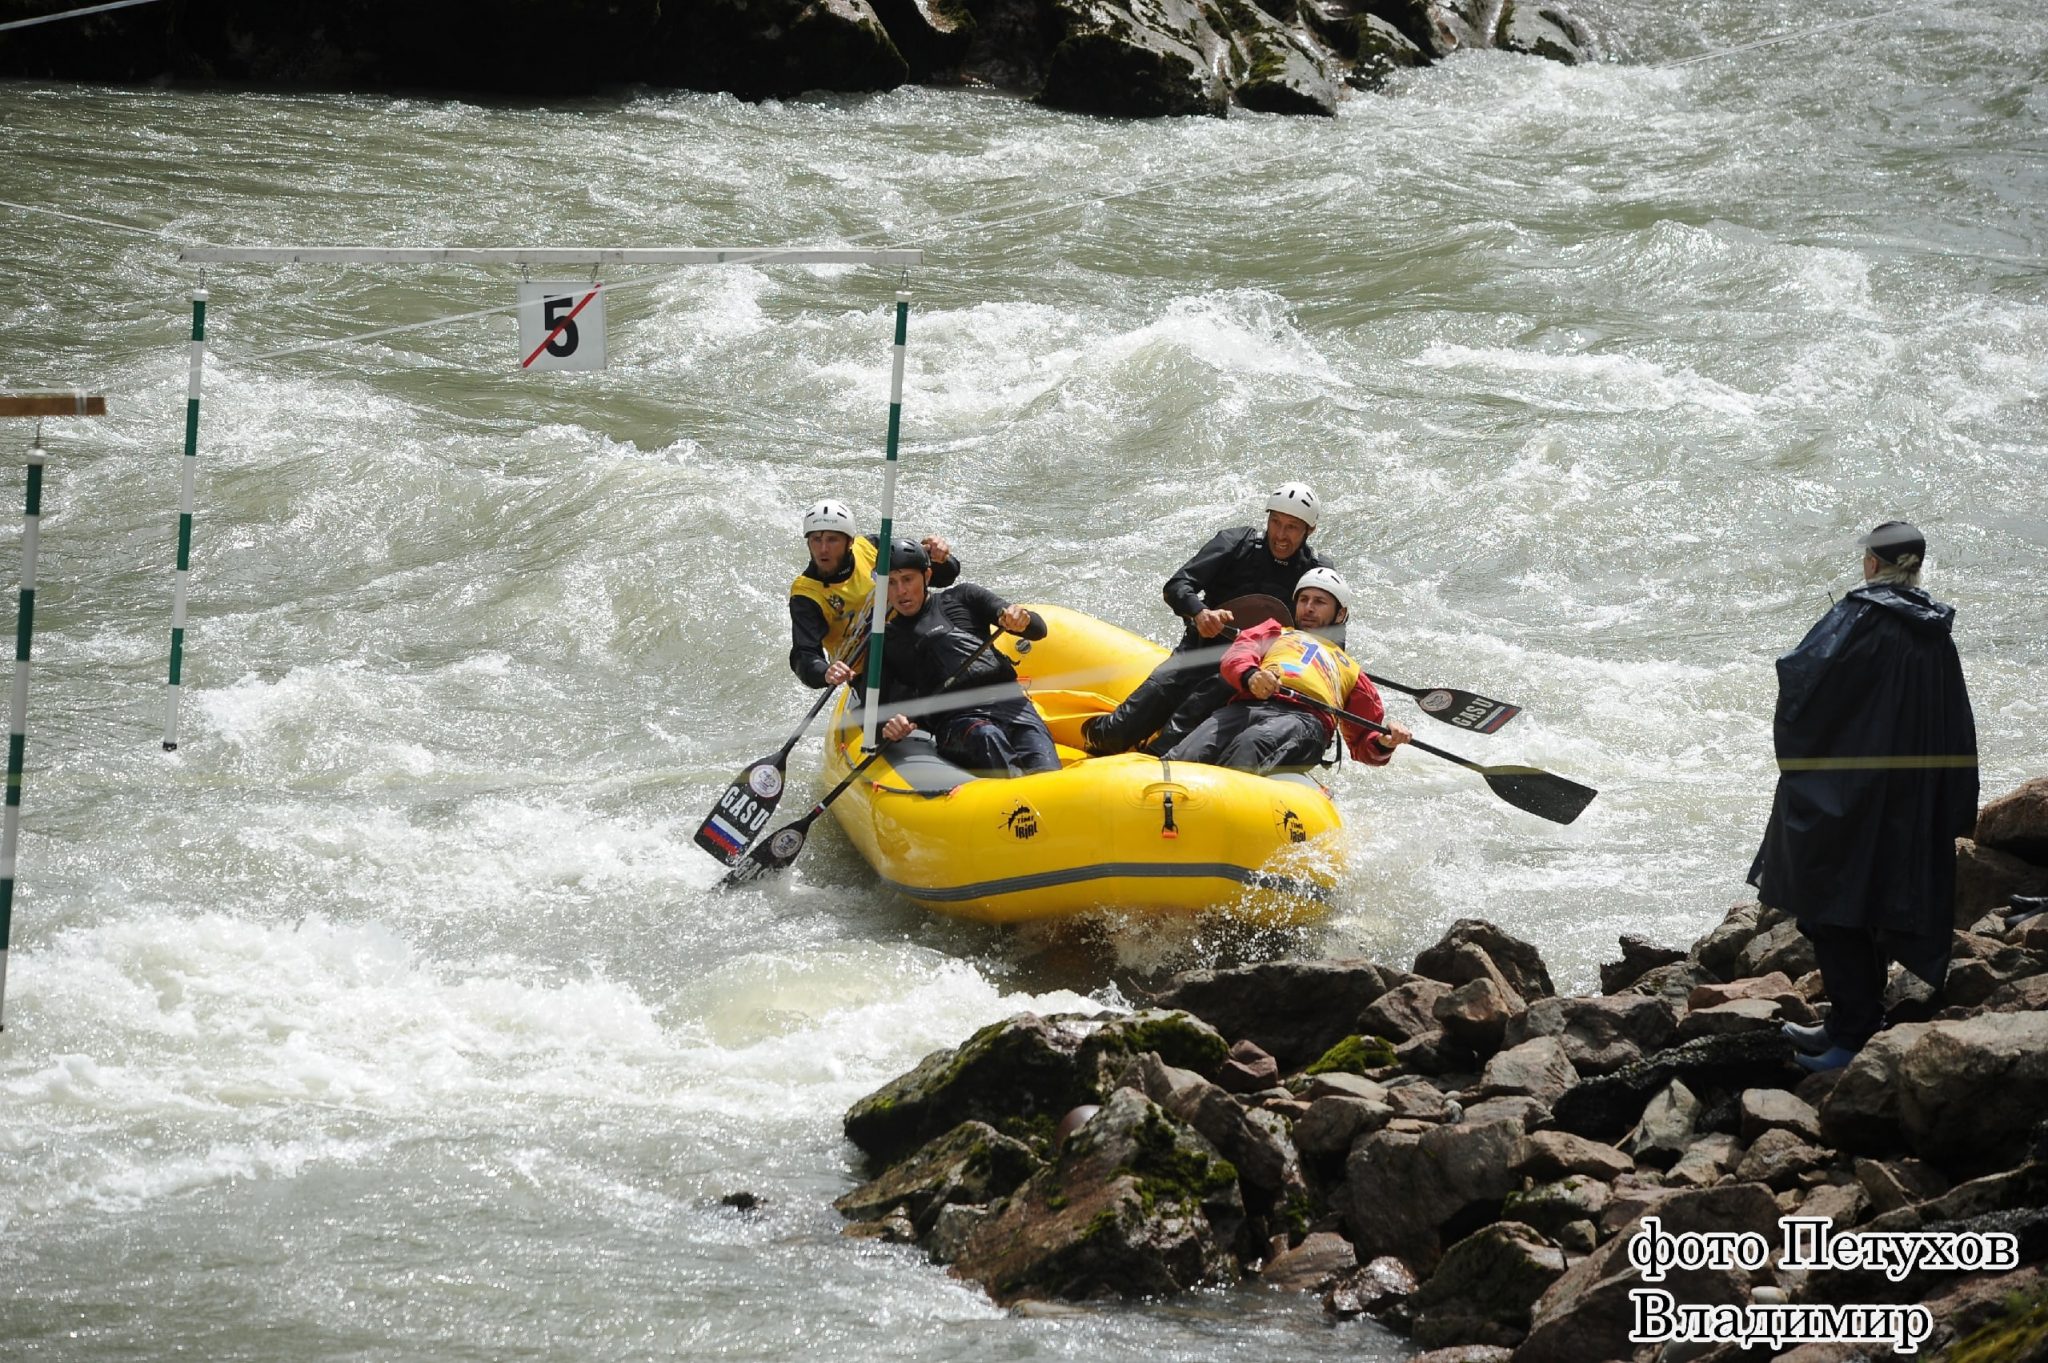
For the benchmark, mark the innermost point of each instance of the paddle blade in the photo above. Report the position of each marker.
(1466, 709)
(742, 812)
(771, 856)
(1542, 793)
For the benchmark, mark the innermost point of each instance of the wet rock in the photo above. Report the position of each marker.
(1639, 956)
(1311, 1266)
(1115, 59)
(1921, 1086)
(1275, 72)
(1293, 1010)
(1777, 1158)
(1372, 1288)
(1475, 1014)
(1515, 963)
(1536, 1069)
(1551, 1155)
(1435, 1053)
(951, 1229)
(2029, 995)
(1892, 1184)
(934, 37)
(1482, 1291)
(1021, 1076)
(894, 1229)
(1706, 1161)
(1403, 1012)
(1137, 1205)
(1667, 1127)
(972, 1163)
(1253, 1141)
(1404, 1193)
(1551, 1207)
(1840, 1204)
(1986, 878)
(1608, 1105)
(1543, 30)
(1767, 1109)
(1525, 1112)
(2017, 822)
(1716, 953)
(1776, 986)
(1333, 1123)
(1780, 949)
(1731, 1019)
(1586, 1313)
(1603, 1034)
(1248, 1069)
(1344, 1084)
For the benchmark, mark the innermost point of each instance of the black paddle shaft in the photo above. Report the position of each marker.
(1542, 793)
(787, 842)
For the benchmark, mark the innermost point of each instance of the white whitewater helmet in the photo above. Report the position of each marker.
(1294, 499)
(1326, 580)
(829, 515)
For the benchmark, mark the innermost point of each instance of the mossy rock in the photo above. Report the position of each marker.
(2018, 1336)
(1355, 1055)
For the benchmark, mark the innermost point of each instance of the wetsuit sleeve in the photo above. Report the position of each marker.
(1185, 588)
(1364, 701)
(947, 573)
(807, 642)
(1245, 654)
(1036, 629)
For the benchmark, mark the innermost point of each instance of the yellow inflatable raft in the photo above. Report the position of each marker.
(1126, 832)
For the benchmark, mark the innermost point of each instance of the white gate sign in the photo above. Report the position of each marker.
(561, 326)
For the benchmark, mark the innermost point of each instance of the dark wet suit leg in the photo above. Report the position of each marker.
(1259, 737)
(1156, 698)
(1007, 738)
(1204, 699)
(1852, 973)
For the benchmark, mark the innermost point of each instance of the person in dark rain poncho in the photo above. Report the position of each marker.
(1877, 777)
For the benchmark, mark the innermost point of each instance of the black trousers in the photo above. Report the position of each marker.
(1258, 736)
(1181, 692)
(1853, 970)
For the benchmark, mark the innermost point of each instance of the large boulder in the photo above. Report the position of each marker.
(1987, 877)
(970, 1165)
(1137, 1205)
(1518, 964)
(1404, 1012)
(1922, 1087)
(1543, 30)
(1410, 1193)
(1538, 1068)
(2017, 822)
(1587, 1313)
(1482, 1291)
(1255, 1142)
(1600, 1034)
(934, 36)
(1141, 60)
(767, 49)
(1639, 956)
(1021, 1076)
(1294, 1010)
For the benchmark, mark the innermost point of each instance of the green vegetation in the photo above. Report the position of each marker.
(2021, 1333)
(1355, 1055)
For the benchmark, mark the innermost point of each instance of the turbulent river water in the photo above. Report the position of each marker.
(394, 1016)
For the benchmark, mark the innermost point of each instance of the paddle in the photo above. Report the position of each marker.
(1460, 709)
(749, 802)
(782, 848)
(1446, 704)
(1531, 788)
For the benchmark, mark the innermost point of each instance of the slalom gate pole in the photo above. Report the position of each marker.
(17, 714)
(878, 603)
(182, 576)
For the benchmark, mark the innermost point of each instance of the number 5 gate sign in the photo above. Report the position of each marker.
(561, 326)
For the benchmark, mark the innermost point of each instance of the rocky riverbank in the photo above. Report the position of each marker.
(1125, 57)
(1461, 1153)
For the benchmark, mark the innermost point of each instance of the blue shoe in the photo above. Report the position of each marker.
(1811, 1040)
(1833, 1059)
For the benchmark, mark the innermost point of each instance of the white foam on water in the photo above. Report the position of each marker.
(1588, 382)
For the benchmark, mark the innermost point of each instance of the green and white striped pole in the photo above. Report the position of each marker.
(17, 714)
(182, 576)
(879, 602)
